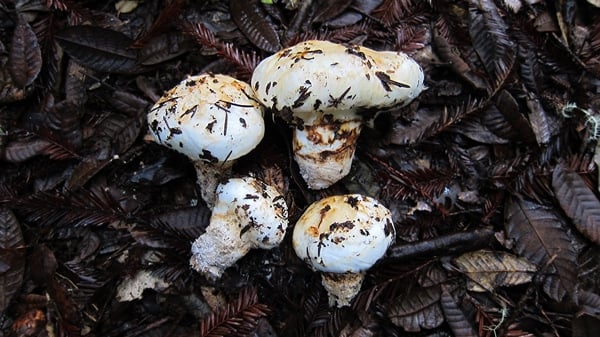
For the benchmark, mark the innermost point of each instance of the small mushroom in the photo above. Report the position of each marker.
(247, 214)
(213, 120)
(327, 91)
(343, 236)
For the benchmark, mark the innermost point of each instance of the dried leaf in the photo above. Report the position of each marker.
(25, 59)
(431, 121)
(540, 237)
(174, 229)
(488, 270)
(578, 201)
(203, 36)
(94, 207)
(251, 19)
(100, 49)
(419, 309)
(460, 321)
(12, 257)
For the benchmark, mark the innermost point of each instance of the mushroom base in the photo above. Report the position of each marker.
(342, 288)
(216, 250)
(324, 151)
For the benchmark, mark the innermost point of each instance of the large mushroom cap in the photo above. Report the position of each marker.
(328, 77)
(208, 117)
(345, 233)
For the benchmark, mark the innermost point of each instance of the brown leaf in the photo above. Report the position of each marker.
(164, 47)
(460, 321)
(25, 60)
(100, 49)
(540, 237)
(12, 257)
(21, 150)
(418, 309)
(251, 19)
(488, 270)
(240, 316)
(511, 121)
(490, 40)
(578, 201)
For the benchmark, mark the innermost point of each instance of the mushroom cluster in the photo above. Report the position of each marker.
(343, 236)
(247, 214)
(327, 91)
(212, 119)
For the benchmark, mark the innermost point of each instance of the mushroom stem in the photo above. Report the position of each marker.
(209, 175)
(324, 150)
(247, 214)
(341, 288)
(219, 248)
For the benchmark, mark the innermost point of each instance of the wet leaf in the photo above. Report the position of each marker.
(251, 19)
(589, 304)
(511, 123)
(490, 40)
(121, 131)
(164, 47)
(420, 309)
(330, 9)
(174, 229)
(241, 316)
(12, 257)
(100, 49)
(488, 270)
(63, 120)
(22, 150)
(540, 237)
(25, 59)
(578, 201)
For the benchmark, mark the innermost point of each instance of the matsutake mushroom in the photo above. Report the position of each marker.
(327, 91)
(343, 236)
(248, 214)
(212, 119)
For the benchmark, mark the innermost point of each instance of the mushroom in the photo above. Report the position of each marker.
(213, 120)
(327, 91)
(247, 214)
(343, 236)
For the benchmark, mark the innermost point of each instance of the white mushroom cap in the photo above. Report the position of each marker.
(314, 78)
(343, 236)
(247, 214)
(344, 233)
(327, 91)
(208, 117)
